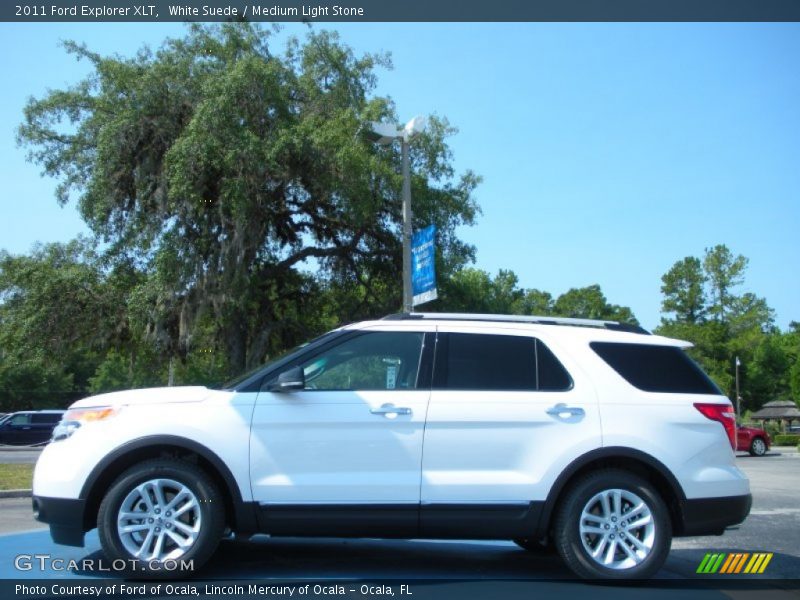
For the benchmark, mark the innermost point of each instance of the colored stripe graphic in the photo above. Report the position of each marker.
(727, 564)
(765, 563)
(734, 563)
(711, 563)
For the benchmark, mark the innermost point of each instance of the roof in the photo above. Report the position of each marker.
(539, 320)
(780, 404)
(579, 330)
(778, 409)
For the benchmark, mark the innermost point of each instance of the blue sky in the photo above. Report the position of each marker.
(608, 151)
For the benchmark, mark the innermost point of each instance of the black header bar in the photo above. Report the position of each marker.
(398, 10)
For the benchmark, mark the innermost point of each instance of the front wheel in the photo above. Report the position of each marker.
(613, 525)
(159, 516)
(758, 447)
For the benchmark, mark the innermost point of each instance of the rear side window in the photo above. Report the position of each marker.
(48, 418)
(553, 377)
(664, 369)
(467, 361)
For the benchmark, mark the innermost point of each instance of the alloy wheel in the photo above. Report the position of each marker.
(617, 529)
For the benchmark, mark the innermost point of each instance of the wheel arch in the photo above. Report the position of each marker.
(239, 515)
(628, 459)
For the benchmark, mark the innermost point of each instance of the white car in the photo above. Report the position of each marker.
(592, 437)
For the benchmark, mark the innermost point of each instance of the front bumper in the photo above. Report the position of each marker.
(66, 517)
(710, 516)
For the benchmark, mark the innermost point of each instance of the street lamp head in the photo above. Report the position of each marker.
(383, 133)
(414, 126)
(386, 133)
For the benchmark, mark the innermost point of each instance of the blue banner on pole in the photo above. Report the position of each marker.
(423, 267)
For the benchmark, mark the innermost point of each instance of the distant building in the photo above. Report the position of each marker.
(785, 412)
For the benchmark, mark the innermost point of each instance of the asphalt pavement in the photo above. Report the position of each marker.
(10, 455)
(469, 568)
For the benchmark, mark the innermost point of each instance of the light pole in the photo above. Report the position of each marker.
(738, 396)
(386, 133)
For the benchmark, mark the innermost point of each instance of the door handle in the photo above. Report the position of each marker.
(390, 409)
(561, 408)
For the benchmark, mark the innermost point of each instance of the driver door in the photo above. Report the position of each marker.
(352, 435)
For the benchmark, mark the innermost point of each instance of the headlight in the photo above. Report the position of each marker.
(75, 417)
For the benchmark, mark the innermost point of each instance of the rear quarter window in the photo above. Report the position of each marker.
(663, 369)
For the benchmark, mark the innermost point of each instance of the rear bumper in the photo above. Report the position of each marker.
(65, 517)
(710, 516)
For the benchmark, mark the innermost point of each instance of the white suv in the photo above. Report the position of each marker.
(591, 437)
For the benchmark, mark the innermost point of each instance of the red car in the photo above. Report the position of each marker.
(753, 440)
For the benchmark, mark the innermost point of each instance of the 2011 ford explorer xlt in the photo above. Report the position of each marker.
(592, 437)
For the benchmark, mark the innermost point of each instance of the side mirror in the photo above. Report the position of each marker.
(293, 379)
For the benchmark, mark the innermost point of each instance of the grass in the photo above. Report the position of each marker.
(16, 477)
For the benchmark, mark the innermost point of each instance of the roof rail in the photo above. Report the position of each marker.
(539, 320)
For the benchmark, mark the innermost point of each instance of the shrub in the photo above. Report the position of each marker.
(786, 439)
(773, 429)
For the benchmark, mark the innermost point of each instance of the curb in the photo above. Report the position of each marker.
(16, 493)
(6, 448)
(785, 449)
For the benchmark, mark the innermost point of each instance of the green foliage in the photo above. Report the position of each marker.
(33, 384)
(475, 291)
(723, 271)
(683, 291)
(786, 439)
(590, 303)
(58, 313)
(773, 429)
(225, 171)
(702, 306)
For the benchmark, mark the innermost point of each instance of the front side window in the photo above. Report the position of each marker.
(468, 361)
(384, 360)
(24, 419)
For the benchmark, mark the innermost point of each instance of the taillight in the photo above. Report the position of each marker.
(722, 413)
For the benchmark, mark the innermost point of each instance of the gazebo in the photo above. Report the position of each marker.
(782, 411)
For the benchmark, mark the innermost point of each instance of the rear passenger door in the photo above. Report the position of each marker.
(42, 425)
(508, 412)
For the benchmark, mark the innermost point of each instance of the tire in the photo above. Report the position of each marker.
(535, 546)
(183, 518)
(647, 543)
(758, 447)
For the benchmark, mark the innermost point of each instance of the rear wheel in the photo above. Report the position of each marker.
(613, 525)
(159, 512)
(758, 447)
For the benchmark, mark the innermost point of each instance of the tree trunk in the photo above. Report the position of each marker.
(236, 342)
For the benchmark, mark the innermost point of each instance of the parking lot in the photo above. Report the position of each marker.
(773, 526)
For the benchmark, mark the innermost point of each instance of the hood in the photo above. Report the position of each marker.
(162, 395)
